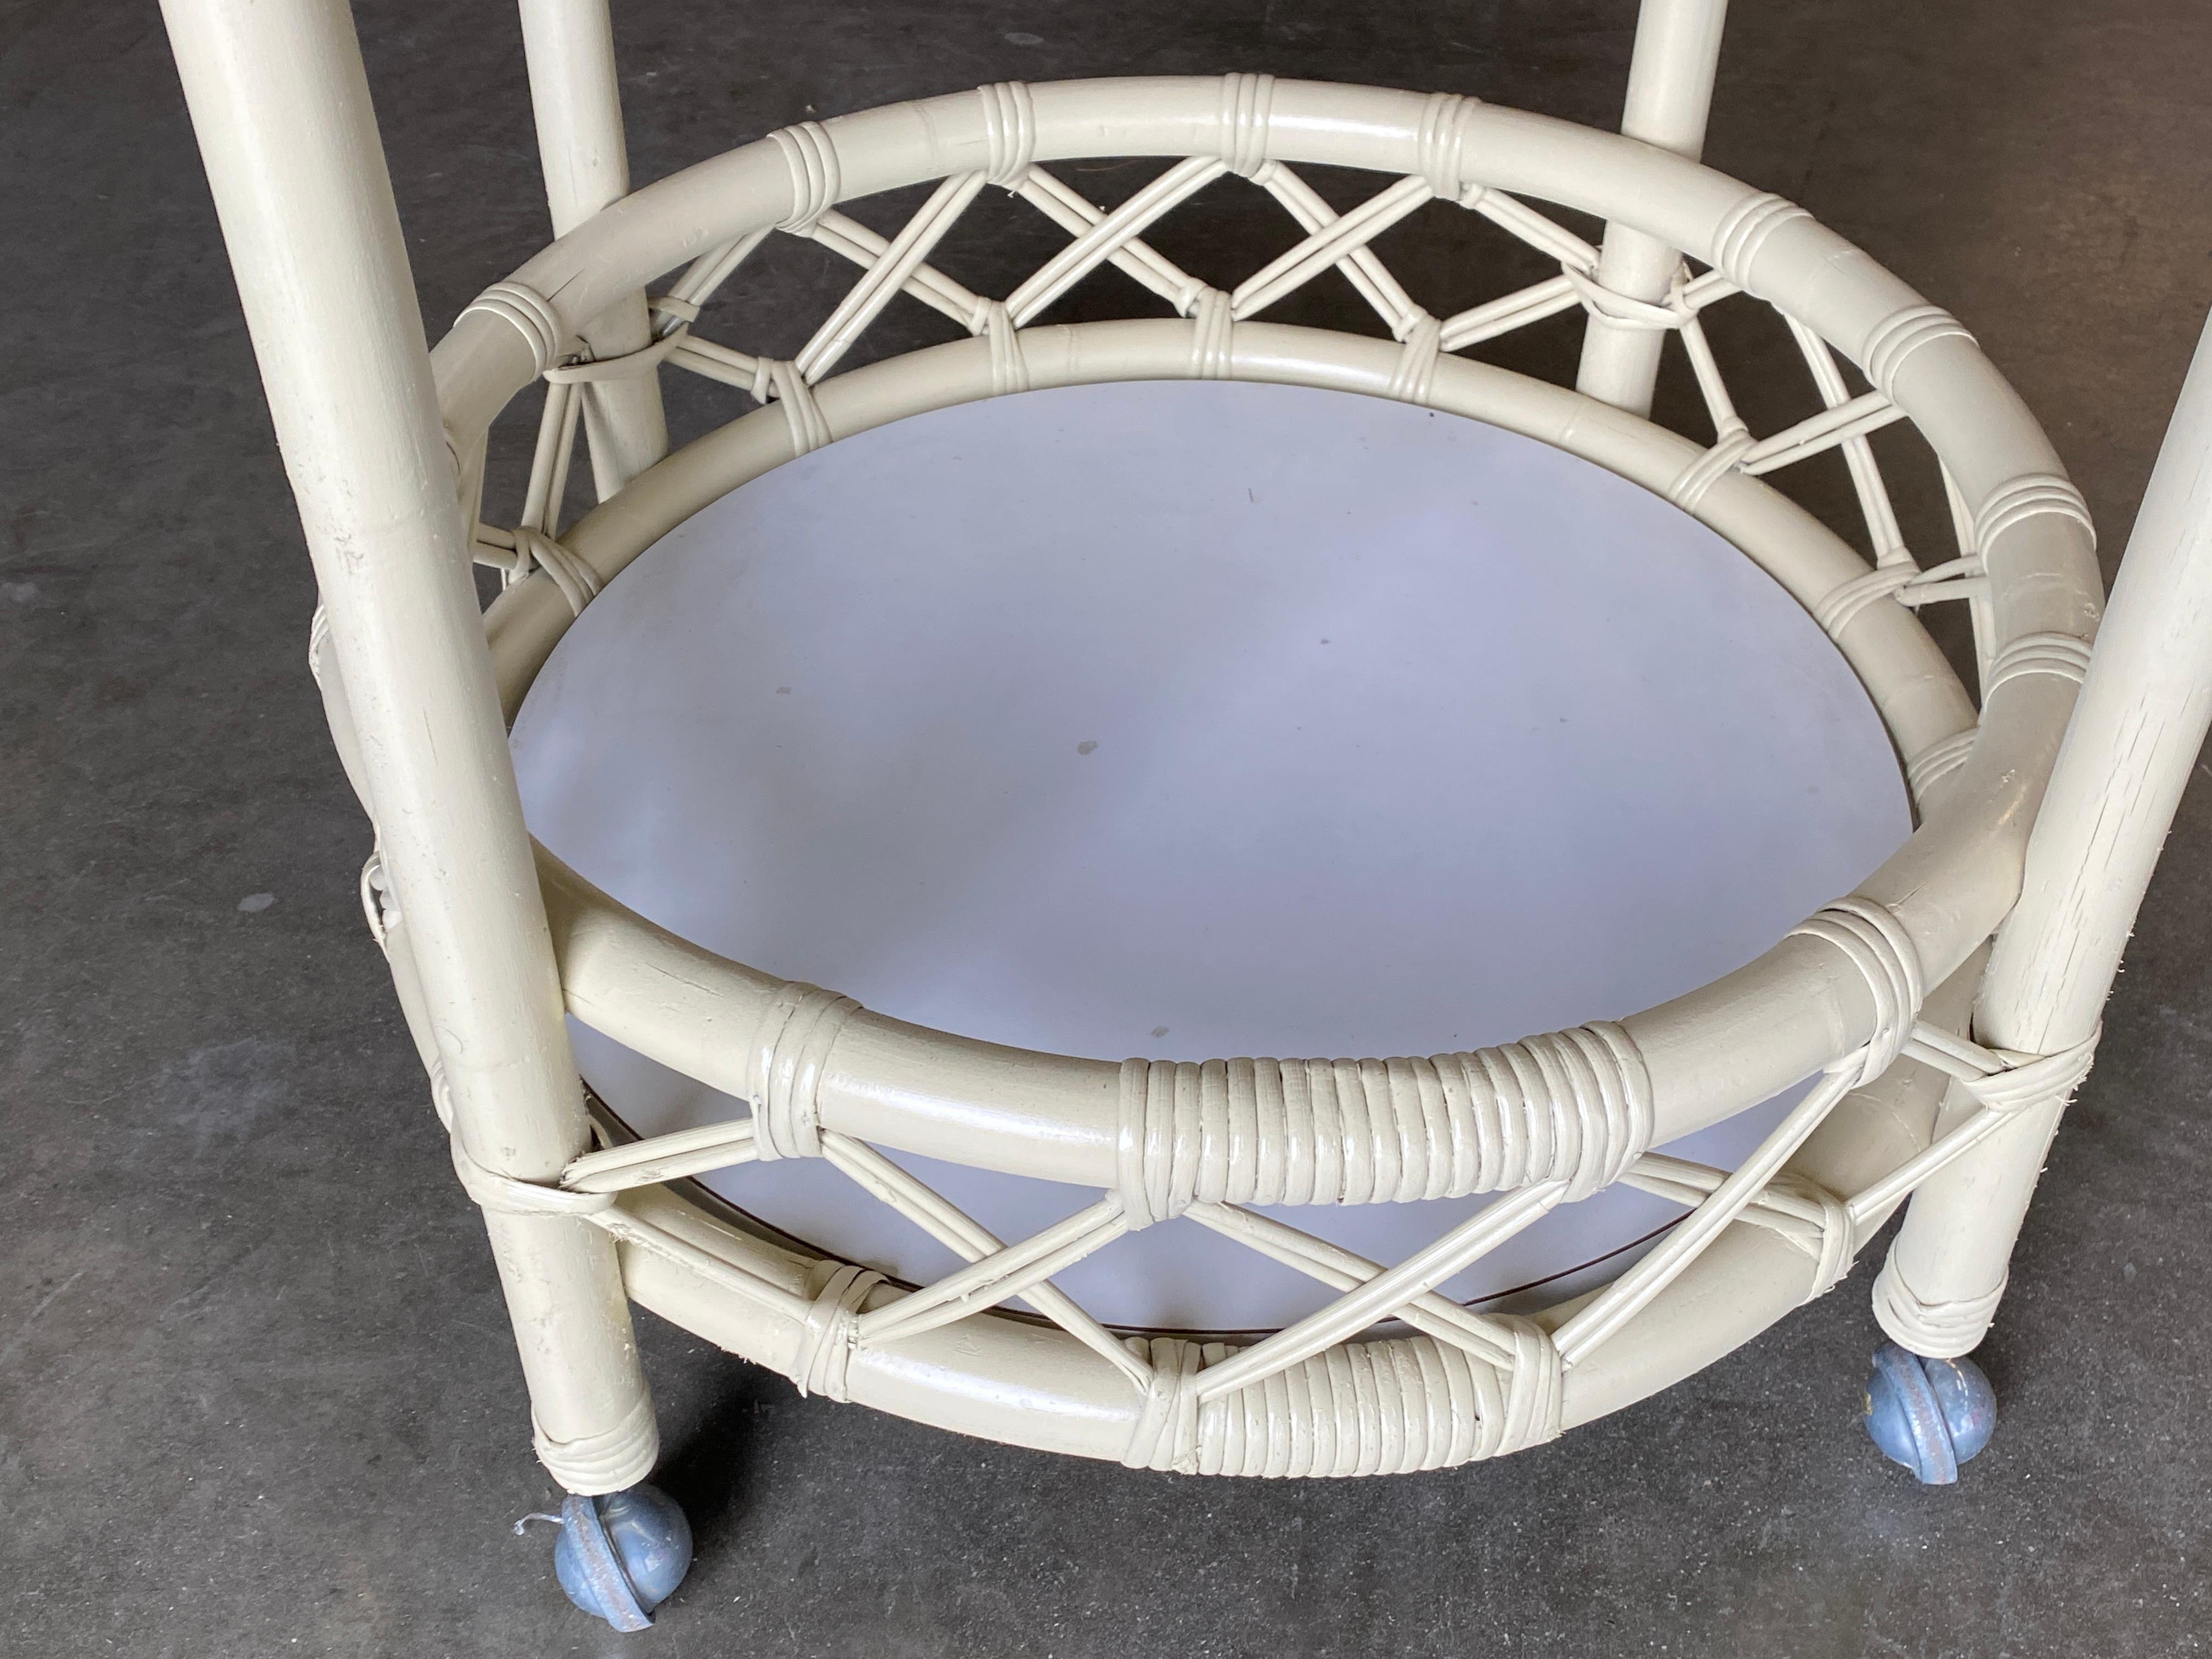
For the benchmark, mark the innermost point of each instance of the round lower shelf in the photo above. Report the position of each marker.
(1188, 718)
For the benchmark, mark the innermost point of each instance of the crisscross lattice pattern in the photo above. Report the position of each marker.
(1544, 1121)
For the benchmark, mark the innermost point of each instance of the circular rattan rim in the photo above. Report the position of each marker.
(1913, 688)
(1842, 993)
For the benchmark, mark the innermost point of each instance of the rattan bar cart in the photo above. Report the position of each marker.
(1945, 1010)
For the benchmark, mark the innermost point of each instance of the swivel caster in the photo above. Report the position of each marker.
(1930, 1415)
(621, 1556)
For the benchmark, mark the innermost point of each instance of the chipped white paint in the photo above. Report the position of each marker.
(1871, 992)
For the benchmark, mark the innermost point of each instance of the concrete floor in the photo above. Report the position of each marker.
(257, 1395)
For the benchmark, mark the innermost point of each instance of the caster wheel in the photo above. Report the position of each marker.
(1930, 1415)
(620, 1556)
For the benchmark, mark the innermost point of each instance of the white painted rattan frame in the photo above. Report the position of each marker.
(1555, 1117)
(1872, 993)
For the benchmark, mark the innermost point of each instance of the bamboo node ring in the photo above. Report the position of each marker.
(1876, 944)
(1413, 379)
(816, 180)
(789, 1049)
(578, 583)
(1442, 152)
(1246, 101)
(780, 380)
(1939, 760)
(830, 1332)
(532, 316)
(1938, 1329)
(2035, 1079)
(1744, 232)
(1010, 132)
(1848, 599)
(1010, 368)
(1897, 338)
(2060, 655)
(1212, 349)
(1829, 1242)
(1708, 470)
(2030, 495)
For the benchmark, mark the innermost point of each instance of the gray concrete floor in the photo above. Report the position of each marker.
(256, 1390)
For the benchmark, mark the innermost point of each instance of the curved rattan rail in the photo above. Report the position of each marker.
(1870, 994)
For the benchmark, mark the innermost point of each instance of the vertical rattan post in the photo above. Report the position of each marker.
(1670, 91)
(280, 101)
(577, 101)
(2128, 750)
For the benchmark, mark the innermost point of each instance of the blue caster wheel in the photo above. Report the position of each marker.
(621, 1556)
(1930, 1415)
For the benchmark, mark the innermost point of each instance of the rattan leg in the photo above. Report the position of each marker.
(2133, 741)
(281, 105)
(1670, 91)
(569, 46)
